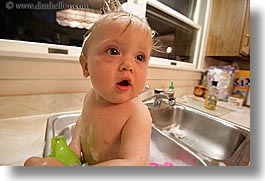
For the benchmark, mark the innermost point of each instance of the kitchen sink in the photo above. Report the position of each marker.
(217, 141)
(163, 149)
(206, 140)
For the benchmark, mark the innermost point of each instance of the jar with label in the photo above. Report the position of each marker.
(199, 90)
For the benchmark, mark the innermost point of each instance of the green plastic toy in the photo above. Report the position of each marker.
(61, 151)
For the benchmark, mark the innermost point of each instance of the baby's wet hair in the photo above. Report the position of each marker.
(116, 16)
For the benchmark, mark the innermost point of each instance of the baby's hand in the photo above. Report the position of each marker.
(37, 161)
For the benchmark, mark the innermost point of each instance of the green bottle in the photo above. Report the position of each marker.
(61, 151)
(171, 87)
(170, 90)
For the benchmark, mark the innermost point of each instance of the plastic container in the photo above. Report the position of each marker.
(212, 96)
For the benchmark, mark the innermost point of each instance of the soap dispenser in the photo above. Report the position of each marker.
(212, 96)
(170, 90)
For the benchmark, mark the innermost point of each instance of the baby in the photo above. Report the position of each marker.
(114, 128)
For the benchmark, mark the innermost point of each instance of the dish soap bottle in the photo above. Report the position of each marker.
(170, 90)
(63, 153)
(212, 96)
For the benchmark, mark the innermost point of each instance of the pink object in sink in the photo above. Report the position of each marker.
(167, 164)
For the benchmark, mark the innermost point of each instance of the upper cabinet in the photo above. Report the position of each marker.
(229, 28)
(245, 45)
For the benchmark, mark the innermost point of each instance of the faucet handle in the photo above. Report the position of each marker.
(170, 94)
(146, 87)
(171, 101)
(158, 91)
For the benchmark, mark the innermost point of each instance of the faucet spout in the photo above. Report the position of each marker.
(158, 100)
(146, 93)
(158, 97)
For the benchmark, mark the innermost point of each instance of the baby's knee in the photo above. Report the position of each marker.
(37, 161)
(32, 161)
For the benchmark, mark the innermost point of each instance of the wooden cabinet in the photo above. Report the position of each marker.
(245, 44)
(226, 28)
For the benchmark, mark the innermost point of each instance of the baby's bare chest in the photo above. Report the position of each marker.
(101, 134)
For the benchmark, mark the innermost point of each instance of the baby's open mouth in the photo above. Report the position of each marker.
(124, 83)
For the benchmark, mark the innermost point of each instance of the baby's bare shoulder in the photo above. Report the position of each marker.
(140, 111)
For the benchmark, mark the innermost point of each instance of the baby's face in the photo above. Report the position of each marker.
(117, 59)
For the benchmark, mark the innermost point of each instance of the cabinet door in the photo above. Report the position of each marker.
(245, 46)
(226, 27)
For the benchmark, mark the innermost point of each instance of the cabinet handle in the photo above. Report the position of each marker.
(248, 38)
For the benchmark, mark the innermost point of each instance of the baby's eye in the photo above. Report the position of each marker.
(112, 51)
(140, 58)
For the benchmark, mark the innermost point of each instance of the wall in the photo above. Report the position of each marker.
(184, 80)
(31, 86)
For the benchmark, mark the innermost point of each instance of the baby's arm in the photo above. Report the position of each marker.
(75, 144)
(51, 161)
(48, 161)
(135, 140)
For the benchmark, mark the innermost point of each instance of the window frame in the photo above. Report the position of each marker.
(199, 22)
(202, 24)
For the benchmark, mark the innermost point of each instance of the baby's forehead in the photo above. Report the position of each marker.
(122, 19)
(116, 24)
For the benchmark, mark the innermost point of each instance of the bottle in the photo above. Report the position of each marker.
(212, 96)
(61, 151)
(170, 90)
(204, 79)
(171, 87)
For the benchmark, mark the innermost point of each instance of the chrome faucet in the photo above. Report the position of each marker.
(146, 88)
(159, 98)
(146, 93)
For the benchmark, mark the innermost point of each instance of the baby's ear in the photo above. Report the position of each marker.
(84, 65)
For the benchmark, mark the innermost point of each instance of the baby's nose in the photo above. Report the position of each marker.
(126, 66)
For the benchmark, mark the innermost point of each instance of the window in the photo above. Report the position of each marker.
(179, 29)
(186, 7)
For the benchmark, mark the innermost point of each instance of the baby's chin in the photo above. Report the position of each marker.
(120, 100)
(116, 97)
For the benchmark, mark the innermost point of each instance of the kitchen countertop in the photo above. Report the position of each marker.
(23, 137)
(224, 110)
(20, 138)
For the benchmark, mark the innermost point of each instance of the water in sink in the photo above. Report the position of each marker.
(206, 134)
(160, 157)
(162, 148)
(157, 155)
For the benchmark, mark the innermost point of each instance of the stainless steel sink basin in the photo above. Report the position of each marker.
(213, 139)
(163, 147)
(207, 140)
